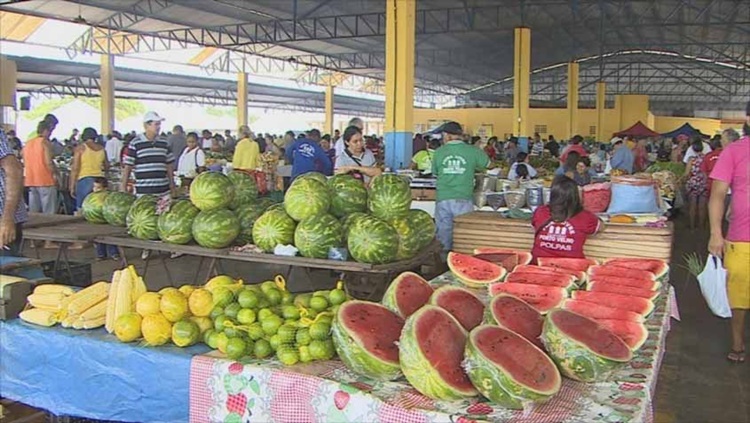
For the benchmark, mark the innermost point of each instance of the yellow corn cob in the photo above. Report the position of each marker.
(139, 287)
(52, 288)
(98, 310)
(90, 323)
(63, 312)
(68, 321)
(87, 297)
(112, 301)
(124, 301)
(39, 317)
(51, 302)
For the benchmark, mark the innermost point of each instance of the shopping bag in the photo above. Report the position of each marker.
(713, 283)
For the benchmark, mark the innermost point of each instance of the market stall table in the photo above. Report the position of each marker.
(38, 220)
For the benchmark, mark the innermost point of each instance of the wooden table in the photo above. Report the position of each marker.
(489, 229)
(38, 220)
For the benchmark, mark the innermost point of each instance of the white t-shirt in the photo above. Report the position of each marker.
(512, 175)
(190, 161)
(690, 152)
(206, 143)
(366, 159)
(113, 148)
(339, 147)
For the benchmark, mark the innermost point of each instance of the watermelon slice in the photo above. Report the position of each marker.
(579, 275)
(542, 298)
(508, 261)
(524, 257)
(407, 293)
(633, 283)
(638, 305)
(633, 333)
(580, 264)
(473, 272)
(598, 311)
(517, 315)
(461, 303)
(620, 272)
(559, 280)
(659, 268)
(623, 290)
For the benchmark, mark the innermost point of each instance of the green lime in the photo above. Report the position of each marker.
(325, 318)
(274, 296)
(232, 309)
(222, 296)
(288, 356)
(318, 350)
(220, 322)
(264, 314)
(253, 288)
(236, 348)
(323, 293)
(216, 312)
(275, 342)
(248, 299)
(287, 297)
(302, 300)
(231, 332)
(262, 349)
(291, 321)
(335, 309)
(304, 354)
(246, 316)
(318, 303)
(303, 337)
(337, 296)
(263, 302)
(320, 331)
(290, 312)
(265, 286)
(271, 324)
(255, 331)
(209, 338)
(287, 333)
(221, 342)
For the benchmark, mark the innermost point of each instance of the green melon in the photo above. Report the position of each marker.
(389, 197)
(211, 190)
(348, 195)
(245, 189)
(306, 198)
(316, 235)
(176, 225)
(274, 227)
(370, 240)
(247, 215)
(408, 242)
(116, 207)
(142, 220)
(317, 176)
(424, 228)
(93, 207)
(215, 228)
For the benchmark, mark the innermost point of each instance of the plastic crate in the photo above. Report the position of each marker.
(80, 273)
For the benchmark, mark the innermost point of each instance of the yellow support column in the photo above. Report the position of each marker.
(241, 98)
(400, 20)
(521, 82)
(107, 92)
(572, 99)
(601, 92)
(328, 129)
(8, 81)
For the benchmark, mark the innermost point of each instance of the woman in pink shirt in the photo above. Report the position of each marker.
(732, 170)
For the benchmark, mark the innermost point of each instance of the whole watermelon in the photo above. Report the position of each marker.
(307, 197)
(408, 244)
(423, 226)
(211, 190)
(311, 175)
(315, 235)
(142, 220)
(389, 197)
(116, 207)
(348, 221)
(272, 228)
(247, 215)
(245, 189)
(373, 241)
(93, 207)
(215, 228)
(348, 195)
(176, 225)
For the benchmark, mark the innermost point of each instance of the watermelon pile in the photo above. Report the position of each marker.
(116, 207)
(142, 220)
(176, 225)
(93, 207)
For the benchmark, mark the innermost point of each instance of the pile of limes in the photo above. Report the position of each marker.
(260, 321)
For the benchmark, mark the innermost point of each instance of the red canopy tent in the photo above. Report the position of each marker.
(639, 130)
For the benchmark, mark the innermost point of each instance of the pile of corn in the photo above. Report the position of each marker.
(52, 304)
(127, 286)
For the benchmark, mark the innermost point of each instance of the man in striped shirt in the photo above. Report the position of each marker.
(150, 159)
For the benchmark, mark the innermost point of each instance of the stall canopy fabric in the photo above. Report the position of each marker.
(639, 130)
(686, 129)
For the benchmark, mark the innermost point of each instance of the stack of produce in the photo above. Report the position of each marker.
(53, 304)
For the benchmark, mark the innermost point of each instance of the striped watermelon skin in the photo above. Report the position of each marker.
(116, 207)
(371, 240)
(348, 195)
(390, 197)
(424, 227)
(311, 175)
(247, 215)
(211, 190)
(306, 198)
(408, 243)
(93, 207)
(245, 189)
(315, 235)
(176, 225)
(215, 228)
(272, 228)
(142, 220)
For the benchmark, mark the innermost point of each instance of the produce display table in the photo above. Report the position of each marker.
(38, 220)
(488, 229)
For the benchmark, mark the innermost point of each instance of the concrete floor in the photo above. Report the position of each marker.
(696, 384)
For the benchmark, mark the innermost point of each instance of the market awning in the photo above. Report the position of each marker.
(686, 129)
(639, 130)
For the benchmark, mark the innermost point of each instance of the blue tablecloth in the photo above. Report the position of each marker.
(91, 374)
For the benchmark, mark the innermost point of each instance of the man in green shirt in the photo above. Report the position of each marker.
(454, 165)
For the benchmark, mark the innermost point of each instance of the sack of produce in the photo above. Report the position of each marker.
(634, 194)
(596, 197)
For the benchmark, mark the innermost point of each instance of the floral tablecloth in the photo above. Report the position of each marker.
(263, 391)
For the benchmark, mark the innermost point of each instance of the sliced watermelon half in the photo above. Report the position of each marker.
(620, 272)
(580, 276)
(634, 334)
(631, 282)
(524, 257)
(658, 267)
(542, 298)
(407, 293)
(622, 290)
(515, 314)
(579, 264)
(461, 303)
(473, 272)
(560, 280)
(508, 261)
(638, 305)
(598, 311)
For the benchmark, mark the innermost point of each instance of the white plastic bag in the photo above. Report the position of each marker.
(713, 283)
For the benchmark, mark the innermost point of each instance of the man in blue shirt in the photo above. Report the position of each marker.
(306, 155)
(622, 158)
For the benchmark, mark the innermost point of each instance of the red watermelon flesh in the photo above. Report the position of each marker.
(524, 257)
(517, 315)
(528, 366)
(579, 264)
(631, 282)
(633, 333)
(474, 272)
(598, 311)
(461, 303)
(579, 276)
(638, 305)
(559, 280)
(508, 261)
(655, 266)
(542, 298)
(375, 326)
(623, 290)
(442, 341)
(412, 292)
(620, 272)
(591, 334)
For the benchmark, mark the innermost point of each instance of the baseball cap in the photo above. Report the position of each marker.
(453, 128)
(152, 117)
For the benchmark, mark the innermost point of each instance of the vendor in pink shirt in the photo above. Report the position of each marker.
(732, 171)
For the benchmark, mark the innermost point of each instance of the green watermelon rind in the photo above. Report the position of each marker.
(466, 279)
(350, 350)
(418, 370)
(574, 359)
(371, 240)
(498, 386)
(245, 189)
(116, 207)
(215, 228)
(348, 195)
(316, 235)
(283, 229)
(306, 198)
(424, 226)
(211, 190)
(247, 214)
(176, 225)
(408, 244)
(142, 220)
(389, 197)
(93, 207)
